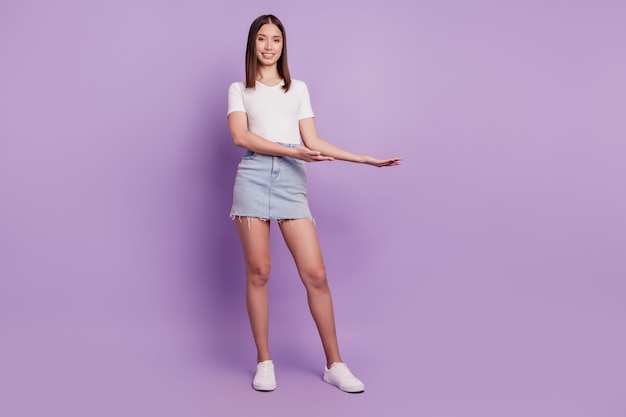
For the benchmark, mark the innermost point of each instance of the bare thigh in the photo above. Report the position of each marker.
(255, 242)
(303, 243)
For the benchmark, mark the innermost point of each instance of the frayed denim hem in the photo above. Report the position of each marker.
(279, 221)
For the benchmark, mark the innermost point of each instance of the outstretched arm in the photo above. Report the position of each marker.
(242, 137)
(311, 139)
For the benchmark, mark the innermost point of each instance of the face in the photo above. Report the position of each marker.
(269, 44)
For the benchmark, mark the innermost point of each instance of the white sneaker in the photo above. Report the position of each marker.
(340, 376)
(264, 379)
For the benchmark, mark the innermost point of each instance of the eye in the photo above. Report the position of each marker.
(260, 38)
(276, 40)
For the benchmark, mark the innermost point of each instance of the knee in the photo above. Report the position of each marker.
(259, 274)
(315, 279)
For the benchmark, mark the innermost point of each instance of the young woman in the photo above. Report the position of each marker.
(268, 115)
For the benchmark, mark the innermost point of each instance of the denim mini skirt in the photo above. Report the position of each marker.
(270, 187)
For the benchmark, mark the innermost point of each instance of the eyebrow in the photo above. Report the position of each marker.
(267, 36)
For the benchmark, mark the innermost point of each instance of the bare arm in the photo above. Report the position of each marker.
(313, 141)
(242, 137)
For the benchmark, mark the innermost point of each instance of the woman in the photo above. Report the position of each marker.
(269, 115)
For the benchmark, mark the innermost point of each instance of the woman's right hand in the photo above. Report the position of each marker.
(307, 155)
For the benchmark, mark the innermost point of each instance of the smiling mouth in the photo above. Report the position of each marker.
(268, 56)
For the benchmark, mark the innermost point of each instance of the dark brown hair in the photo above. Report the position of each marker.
(251, 59)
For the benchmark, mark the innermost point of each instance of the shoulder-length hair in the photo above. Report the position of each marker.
(252, 62)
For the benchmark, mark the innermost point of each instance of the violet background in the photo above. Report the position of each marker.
(483, 277)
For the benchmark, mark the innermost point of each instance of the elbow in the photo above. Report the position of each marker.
(238, 140)
(311, 143)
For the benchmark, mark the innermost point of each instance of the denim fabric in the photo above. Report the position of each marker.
(270, 187)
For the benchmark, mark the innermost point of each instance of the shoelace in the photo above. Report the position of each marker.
(265, 369)
(345, 372)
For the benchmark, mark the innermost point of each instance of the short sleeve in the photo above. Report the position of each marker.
(305, 109)
(235, 98)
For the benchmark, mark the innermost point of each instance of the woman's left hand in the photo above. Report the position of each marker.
(370, 160)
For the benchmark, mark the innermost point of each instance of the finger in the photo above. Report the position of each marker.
(389, 163)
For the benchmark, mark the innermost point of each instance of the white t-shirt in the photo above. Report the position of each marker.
(272, 113)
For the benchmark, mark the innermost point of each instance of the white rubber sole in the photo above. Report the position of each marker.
(357, 391)
(264, 389)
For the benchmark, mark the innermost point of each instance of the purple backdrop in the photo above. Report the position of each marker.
(483, 277)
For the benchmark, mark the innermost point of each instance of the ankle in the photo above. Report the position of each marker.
(329, 364)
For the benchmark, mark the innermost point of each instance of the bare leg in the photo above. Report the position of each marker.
(301, 238)
(255, 242)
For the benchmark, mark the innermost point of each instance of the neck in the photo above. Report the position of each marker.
(267, 73)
